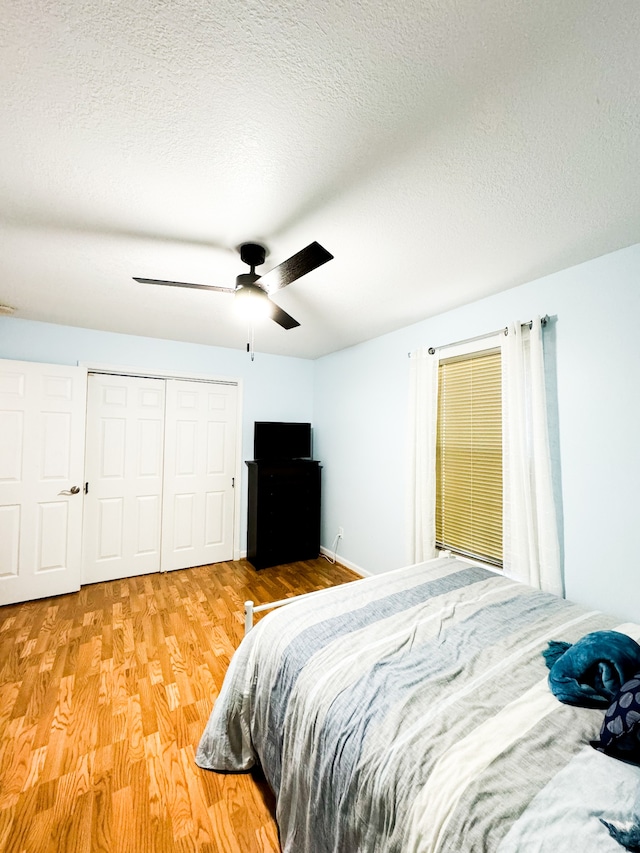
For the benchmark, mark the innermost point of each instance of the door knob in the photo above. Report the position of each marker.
(74, 490)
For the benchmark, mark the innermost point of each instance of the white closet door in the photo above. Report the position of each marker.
(123, 505)
(199, 469)
(42, 408)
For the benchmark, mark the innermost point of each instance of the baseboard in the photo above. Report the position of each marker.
(346, 563)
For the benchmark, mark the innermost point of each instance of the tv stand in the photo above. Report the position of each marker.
(283, 523)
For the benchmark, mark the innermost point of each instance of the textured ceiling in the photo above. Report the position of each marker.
(442, 150)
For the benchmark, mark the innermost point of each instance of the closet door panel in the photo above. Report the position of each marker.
(124, 473)
(199, 470)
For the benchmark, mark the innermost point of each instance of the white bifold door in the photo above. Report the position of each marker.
(123, 474)
(199, 468)
(160, 468)
(42, 412)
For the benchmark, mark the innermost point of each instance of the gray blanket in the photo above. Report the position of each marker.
(411, 712)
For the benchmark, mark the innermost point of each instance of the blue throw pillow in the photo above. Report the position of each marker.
(620, 732)
(590, 672)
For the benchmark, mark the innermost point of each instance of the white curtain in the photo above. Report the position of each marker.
(423, 412)
(530, 538)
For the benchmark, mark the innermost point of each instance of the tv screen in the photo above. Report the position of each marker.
(279, 440)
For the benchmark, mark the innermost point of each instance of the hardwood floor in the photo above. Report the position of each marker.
(103, 697)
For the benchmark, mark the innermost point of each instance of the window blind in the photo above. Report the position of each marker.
(469, 456)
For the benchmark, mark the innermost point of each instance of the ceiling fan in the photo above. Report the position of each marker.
(252, 290)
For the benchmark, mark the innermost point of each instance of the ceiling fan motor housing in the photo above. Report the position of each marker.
(247, 279)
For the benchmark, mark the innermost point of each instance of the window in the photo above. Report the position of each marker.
(480, 477)
(469, 455)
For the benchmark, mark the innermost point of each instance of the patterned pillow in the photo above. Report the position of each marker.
(620, 732)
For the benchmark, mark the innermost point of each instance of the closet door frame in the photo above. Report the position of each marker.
(120, 370)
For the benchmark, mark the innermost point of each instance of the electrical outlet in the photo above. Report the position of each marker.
(341, 532)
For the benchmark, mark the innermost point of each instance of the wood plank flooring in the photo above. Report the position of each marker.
(104, 695)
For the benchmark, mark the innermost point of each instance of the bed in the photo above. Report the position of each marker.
(411, 712)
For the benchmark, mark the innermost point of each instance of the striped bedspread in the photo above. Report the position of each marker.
(410, 712)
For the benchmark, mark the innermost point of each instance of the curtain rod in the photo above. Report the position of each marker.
(504, 331)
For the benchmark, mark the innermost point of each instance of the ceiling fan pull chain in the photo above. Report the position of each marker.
(250, 348)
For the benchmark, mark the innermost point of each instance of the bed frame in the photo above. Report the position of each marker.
(250, 608)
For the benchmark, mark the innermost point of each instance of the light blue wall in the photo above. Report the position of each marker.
(593, 365)
(357, 400)
(275, 388)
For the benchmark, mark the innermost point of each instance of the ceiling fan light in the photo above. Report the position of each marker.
(252, 303)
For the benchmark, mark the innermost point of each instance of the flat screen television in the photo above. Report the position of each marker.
(279, 440)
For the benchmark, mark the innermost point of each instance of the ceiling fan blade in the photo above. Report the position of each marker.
(304, 261)
(184, 284)
(282, 318)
